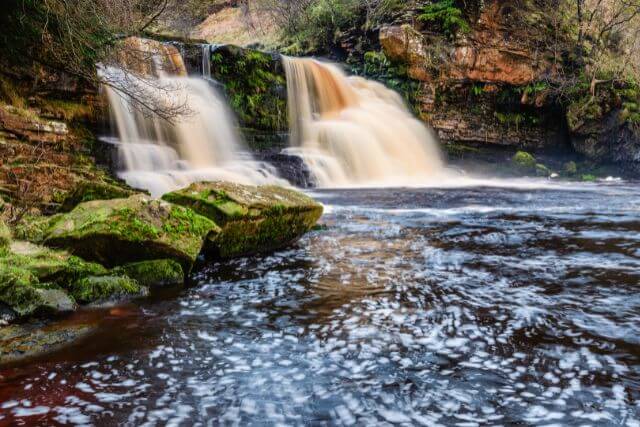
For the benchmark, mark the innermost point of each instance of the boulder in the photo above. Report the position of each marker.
(48, 265)
(253, 219)
(88, 191)
(32, 278)
(103, 288)
(156, 273)
(524, 162)
(23, 294)
(120, 231)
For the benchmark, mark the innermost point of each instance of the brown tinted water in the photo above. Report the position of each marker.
(477, 306)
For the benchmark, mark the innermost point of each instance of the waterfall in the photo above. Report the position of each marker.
(201, 144)
(352, 131)
(206, 61)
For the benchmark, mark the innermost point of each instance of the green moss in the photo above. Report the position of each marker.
(119, 231)
(21, 290)
(253, 219)
(48, 265)
(33, 228)
(5, 235)
(94, 190)
(93, 289)
(256, 86)
(524, 161)
(163, 272)
(588, 178)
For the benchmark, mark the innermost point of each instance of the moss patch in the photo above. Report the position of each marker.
(163, 272)
(33, 228)
(253, 219)
(256, 86)
(91, 190)
(524, 161)
(102, 288)
(5, 235)
(120, 231)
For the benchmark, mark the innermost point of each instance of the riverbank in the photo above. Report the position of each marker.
(106, 251)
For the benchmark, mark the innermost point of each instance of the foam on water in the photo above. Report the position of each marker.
(524, 314)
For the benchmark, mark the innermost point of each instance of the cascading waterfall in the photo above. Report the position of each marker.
(199, 145)
(351, 131)
(206, 61)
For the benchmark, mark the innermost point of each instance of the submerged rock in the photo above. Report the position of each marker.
(104, 288)
(120, 231)
(156, 273)
(18, 342)
(253, 219)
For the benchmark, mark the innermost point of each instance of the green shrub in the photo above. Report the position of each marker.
(447, 15)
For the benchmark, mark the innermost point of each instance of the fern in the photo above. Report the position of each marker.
(446, 14)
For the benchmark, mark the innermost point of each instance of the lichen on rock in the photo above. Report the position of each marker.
(253, 219)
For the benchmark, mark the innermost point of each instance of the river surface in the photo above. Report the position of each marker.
(472, 306)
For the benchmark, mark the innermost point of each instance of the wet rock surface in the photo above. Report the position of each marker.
(252, 219)
(119, 231)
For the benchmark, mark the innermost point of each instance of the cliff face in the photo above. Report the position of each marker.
(482, 88)
(47, 128)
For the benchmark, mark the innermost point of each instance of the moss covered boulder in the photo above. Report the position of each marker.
(253, 219)
(156, 273)
(120, 231)
(33, 228)
(104, 288)
(33, 278)
(524, 162)
(48, 265)
(88, 191)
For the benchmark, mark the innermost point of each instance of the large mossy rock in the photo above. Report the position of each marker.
(32, 278)
(120, 231)
(253, 219)
(153, 274)
(103, 288)
(88, 191)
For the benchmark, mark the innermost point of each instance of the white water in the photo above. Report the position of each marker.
(354, 132)
(199, 145)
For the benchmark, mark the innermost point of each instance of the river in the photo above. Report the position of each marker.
(462, 306)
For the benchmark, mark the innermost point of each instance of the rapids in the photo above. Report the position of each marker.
(468, 306)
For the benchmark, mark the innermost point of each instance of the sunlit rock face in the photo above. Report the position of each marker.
(489, 54)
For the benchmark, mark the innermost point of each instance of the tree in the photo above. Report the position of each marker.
(75, 36)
